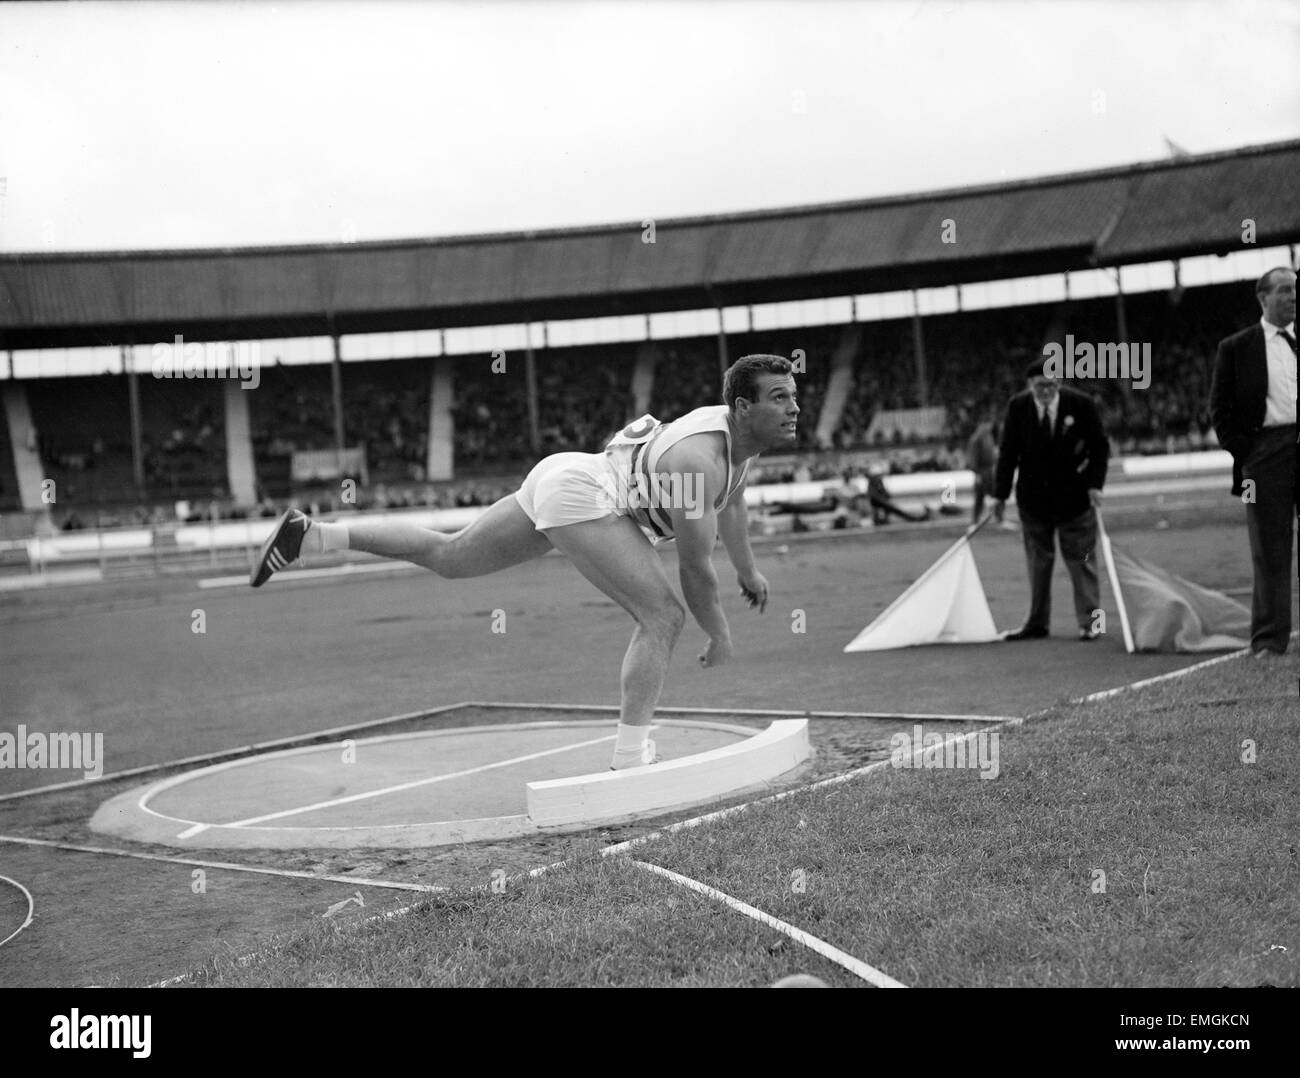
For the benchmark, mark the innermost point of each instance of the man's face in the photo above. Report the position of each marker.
(773, 413)
(1044, 389)
(1279, 300)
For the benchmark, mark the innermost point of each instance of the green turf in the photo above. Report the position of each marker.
(940, 878)
(935, 877)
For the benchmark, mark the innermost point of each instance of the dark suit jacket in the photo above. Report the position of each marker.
(1054, 478)
(1237, 394)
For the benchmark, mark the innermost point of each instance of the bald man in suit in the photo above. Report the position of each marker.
(1253, 409)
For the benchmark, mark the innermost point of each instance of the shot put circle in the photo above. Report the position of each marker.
(442, 787)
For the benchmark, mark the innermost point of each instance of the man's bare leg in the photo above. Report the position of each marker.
(500, 538)
(614, 555)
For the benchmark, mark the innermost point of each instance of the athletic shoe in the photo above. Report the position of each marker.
(282, 546)
(1089, 634)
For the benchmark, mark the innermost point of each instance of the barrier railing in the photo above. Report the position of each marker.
(173, 546)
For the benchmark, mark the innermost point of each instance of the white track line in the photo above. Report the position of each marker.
(222, 865)
(847, 776)
(833, 780)
(398, 788)
(1106, 693)
(302, 576)
(31, 910)
(1202, 665)
(840, 958)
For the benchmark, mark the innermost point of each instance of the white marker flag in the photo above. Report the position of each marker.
(946, 605)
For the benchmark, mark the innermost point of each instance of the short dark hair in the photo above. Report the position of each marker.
(741, 379)
(1265, 284)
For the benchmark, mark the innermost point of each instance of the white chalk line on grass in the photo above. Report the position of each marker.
(835, 780)
(1105, 694)
(31, 910)
(848, 776)
(854, 965)
(221, 865)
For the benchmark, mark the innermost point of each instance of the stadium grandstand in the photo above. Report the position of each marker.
(436, 371)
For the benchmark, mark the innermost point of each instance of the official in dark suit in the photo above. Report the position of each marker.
(1253, 409)
(1054, 444)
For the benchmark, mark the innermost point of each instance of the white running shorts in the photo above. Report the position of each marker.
(569, 488)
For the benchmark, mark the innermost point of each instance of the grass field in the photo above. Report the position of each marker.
(933, 876)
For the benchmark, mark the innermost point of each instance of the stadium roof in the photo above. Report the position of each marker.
(1147, 212)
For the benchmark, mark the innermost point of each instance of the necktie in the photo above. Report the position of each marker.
(1288, 338)
(1046, 423)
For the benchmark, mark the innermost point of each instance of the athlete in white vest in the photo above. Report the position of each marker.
(645, 491)
(681, 480)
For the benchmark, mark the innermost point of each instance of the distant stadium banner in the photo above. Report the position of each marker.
(1160, 611)
(944, 605)
(314, 465)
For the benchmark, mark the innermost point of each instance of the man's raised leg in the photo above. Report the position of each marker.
(614, 555)
(500, 538)
(503, 536)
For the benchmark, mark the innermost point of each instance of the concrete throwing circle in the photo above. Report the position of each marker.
(406, 790)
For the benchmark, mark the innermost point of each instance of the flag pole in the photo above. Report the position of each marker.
(976, 526)
(1114, 583)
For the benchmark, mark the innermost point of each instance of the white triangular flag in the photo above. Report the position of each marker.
(946, 605)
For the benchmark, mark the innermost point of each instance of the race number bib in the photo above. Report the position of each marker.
(636, 432)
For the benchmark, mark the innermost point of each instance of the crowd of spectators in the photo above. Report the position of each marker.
(974, 363)
(83, 437)
(318, 501)
(386, 412)
(583, 394)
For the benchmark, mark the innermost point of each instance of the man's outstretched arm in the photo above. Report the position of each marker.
(733, 526)
(695, 526)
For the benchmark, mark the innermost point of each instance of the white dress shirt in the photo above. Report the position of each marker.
(1054, 407)
(1279, 404)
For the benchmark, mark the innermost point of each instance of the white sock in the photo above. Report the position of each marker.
(632, 749)
(631, 738)
(321, 537)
